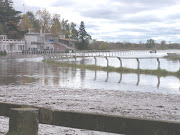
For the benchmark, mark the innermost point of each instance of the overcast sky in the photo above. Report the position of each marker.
(116, 20)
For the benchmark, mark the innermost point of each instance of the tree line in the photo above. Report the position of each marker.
(15, 25)
(150, 44)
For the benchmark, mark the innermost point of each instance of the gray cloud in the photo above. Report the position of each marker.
(118, 12)
(141, 19)
(149, 3)
(144, 34)
(136, 13)
(120, 18)
(174, 17)
(64, 3)
(99, 13)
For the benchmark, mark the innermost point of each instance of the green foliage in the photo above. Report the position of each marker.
(3, 53)
(68, 50)
(83, 37)
(9, 19)
(69, 29)
(56, 24)
(104, 46)
(82, 45)
(44, 19)
(172, 58)
(150, 43)
(34, 22)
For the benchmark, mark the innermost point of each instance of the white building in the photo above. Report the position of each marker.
(40, 41)
(11, 45)
(48, 41)
(36, 41)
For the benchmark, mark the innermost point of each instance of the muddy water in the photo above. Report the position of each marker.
(30, 70)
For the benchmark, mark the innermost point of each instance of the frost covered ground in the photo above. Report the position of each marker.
(123, 103)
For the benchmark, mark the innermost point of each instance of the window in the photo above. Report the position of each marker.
(33, 43)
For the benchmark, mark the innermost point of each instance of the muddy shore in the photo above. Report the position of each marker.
(124, 103)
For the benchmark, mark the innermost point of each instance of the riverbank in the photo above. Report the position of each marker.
(124, 103)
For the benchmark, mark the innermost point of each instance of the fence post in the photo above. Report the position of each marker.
(107, 61)
(120, 78)
(138, 79)
(23, 121)
(158, 63)
(158, 84)
(107, 77)
(95, 75)
(138, 66)
(120, 61)
(95, 60)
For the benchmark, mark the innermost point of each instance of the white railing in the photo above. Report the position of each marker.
(12, 41)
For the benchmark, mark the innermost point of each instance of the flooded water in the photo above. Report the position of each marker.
(30, 70)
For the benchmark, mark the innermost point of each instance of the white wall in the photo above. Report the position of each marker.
(12, 45)
(29, 39)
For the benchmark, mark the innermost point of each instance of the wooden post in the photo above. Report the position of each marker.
(95, 75)
(95, 61)
(158, 84)
(23, 121)
(138, 79)
(158, 63)
(107, 61)
(107, 77)
(120, 60)
(138, 66)
(120, 78)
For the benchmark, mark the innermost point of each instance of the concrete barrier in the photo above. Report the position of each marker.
(23, 121)
(46, 116)
(5, 108)
(115, 124)
(100, 122)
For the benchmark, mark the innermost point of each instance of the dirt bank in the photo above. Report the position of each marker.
(124, 103)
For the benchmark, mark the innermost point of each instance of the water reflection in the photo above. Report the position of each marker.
(138, 79)
(95, 75)
(31, 71)
(121, 78)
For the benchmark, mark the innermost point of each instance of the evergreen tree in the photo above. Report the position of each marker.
(9, 19)
(74, 32)
(83, 37)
